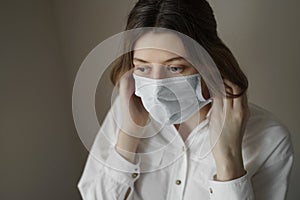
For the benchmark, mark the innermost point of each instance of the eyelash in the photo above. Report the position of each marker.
(178, 67)
(142, 69)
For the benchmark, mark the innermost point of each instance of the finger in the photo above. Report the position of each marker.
(245, 102)
(228, 102)
(245, 105)
(217, 104)
(237, 102)
(235, 88)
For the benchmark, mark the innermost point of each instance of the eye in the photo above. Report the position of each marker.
(176, 69)
(142, 69)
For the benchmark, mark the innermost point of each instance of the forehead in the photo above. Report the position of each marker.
(156, 56)
(158, 47)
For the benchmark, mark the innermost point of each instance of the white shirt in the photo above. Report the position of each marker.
(185, 170)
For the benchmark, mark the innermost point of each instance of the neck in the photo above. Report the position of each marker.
(186, 127)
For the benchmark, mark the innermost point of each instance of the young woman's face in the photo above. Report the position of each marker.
(158, 63)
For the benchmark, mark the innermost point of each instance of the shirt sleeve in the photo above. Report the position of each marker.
(269, 182)
(101, 182)
(236, 189)
(107, 174)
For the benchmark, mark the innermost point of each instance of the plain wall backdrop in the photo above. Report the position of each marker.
(43, 43)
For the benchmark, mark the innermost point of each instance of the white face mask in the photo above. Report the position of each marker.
(171, 100)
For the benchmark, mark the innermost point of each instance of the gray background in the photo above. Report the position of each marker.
(43, 44)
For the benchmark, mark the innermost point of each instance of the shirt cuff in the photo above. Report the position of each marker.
(236, 189)
(121, 169)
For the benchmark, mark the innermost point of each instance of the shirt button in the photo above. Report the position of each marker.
(134, 175)
(178, 182)
(210, 190)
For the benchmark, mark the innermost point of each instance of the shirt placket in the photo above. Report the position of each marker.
(179, 174)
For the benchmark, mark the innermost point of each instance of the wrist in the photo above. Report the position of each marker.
(229, 164)
(127, 145)
(229, 168)
(227, 173)
(127, 142)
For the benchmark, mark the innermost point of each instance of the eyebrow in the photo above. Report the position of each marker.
(169, 60)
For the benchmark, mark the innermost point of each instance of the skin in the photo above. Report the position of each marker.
(151, 63)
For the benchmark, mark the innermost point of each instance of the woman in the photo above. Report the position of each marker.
(250, 152)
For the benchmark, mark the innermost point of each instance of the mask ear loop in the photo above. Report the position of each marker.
(199, 90)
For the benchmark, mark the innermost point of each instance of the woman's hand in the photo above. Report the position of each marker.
(134, 117)
(134, 114)
(227, 149)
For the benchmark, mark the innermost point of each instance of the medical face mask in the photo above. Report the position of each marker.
(170, 100)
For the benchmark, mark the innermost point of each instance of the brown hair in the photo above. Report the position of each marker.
(192, 18)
